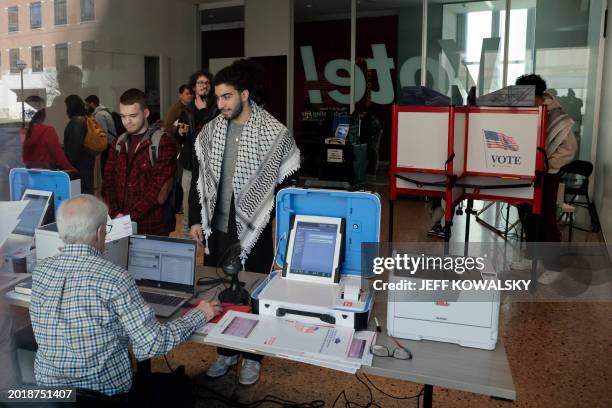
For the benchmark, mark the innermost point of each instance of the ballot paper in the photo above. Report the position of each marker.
(205, 329)
(120, 227)
(337, 348)
(12, 208)
(283, 335)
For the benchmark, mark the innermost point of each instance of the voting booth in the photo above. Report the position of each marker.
(458, 153)
(427, 154)
(314, 228)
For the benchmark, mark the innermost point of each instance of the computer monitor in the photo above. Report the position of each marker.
(162, 262)
(34, 212)
(313, 249)
(342, 131)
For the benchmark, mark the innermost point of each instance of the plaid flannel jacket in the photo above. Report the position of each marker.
(134, 188)
(84, 310)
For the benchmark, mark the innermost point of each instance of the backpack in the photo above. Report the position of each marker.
(169, 206)
(95, 140)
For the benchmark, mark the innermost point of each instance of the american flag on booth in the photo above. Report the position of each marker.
(500, 141)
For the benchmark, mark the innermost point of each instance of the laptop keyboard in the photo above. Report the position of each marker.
(159, 299)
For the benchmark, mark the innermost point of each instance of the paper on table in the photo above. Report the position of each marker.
(12, 208)
(361, 346)
(121, 228)
(204, 330)
(283, 336)
(7, 225)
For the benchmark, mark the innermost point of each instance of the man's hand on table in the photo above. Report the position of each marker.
(210, 309)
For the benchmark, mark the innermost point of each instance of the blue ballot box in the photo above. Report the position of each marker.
(57, 182)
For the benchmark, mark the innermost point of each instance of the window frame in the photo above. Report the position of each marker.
(33, 5)
(13, 27)
(61, 46)
(34, 66)
(56, 5)
(92, 16)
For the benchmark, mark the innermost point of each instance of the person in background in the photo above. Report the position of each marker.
(171, 121)
(104, 117)
(41, 148)
(137, 181)
(74, 137)
(193, 117)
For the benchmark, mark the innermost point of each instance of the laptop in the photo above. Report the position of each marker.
(164, 270)
(36, 210)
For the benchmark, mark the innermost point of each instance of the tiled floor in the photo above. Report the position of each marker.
(560, 353)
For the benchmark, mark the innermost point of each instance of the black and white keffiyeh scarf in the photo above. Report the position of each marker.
(267, 154)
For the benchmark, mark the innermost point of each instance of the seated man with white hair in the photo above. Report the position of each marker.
(85, 310)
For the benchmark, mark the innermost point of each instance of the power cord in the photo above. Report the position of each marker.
(269, 399)
(395, 397)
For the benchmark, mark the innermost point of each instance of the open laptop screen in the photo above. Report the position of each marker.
(33, 213)
(162, 262)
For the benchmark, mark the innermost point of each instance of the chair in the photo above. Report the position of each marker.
(575, 176)
(566, 209)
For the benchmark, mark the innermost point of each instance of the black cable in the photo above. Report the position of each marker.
(395, 397)
(269, 398)
(168, 364)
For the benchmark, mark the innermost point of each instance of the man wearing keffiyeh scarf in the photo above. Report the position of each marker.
(561, 147)
(243, 155)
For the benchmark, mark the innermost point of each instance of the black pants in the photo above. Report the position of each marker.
(259, 260)
(549, 228)
(153, 390)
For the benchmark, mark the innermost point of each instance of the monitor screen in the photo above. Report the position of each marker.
(314, 248)
(32, 215)
(342, 131)
(162, 262)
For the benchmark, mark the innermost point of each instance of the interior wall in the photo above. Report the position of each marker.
(138, 28)
(603, 164)
(268, 31)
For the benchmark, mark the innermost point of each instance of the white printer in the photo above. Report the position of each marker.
(469, 318)
(48, 243)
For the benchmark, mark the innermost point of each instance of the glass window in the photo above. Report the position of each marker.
(13, 19)
(465, 48)
(87, 10)
(88, 57)
(61, 16)
(35, 15)
(61, 56)
(37, 59)
(14, 59)
(322, 65)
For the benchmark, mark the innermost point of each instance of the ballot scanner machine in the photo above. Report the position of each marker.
(319, 235)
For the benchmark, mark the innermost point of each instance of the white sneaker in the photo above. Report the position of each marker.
(521, 265)
(548, 277)
(222, 365)
(249, 373)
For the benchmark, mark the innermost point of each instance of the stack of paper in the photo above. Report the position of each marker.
(335, 347)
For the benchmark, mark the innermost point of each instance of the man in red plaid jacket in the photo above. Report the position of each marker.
(139, 172)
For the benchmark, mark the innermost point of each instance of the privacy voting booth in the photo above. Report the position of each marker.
(457, 153)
